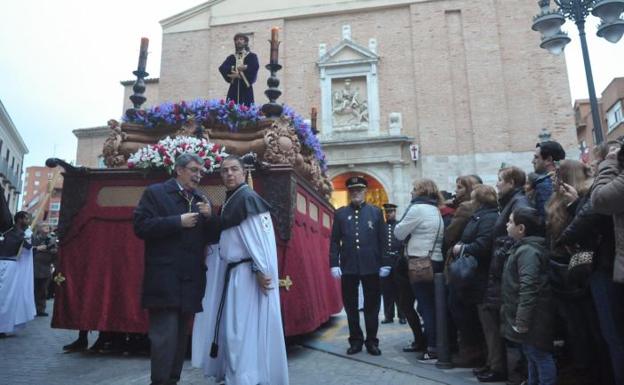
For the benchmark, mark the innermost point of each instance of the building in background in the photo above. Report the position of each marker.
(42, 193)
(12, 151)
(405, 89)
(611, 106)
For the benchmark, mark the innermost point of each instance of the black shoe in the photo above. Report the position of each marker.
(76, 346)
(42, 314)
(373, 349)
(387, 321)
(402, 321)
(481, 370)
(355, 348)
(414, 347)
(428, 358)
(491, 377)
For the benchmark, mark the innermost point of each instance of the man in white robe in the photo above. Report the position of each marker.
(238, 338)
(17, 300)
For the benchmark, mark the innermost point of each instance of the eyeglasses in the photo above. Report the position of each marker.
(195, 170)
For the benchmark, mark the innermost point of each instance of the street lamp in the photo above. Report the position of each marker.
(549, 21)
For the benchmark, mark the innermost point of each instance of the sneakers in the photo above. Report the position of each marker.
(428, 358)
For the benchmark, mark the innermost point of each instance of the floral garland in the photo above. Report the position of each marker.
(164, 153)
(235, 116)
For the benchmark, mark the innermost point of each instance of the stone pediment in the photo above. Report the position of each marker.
(347, 53)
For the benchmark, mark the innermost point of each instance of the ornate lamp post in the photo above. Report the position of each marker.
(549, 21)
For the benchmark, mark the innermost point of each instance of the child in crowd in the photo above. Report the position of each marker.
(526, 315)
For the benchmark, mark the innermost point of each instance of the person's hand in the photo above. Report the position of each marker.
(569, 192)
(189, 219)
(336, 272)
(41, 248)
(613, 152)
(241, 67)
(28, 234)
(264, 281)
(457, 249)
(520, 329)
(234, 75)
(384, 271)
(204, 209)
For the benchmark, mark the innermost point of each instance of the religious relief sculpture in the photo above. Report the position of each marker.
(349, 109)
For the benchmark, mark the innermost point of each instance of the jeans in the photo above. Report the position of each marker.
(542, 369)
(609, 301)
(424, 293)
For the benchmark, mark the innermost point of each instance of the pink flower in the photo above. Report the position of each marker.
(207, 163)
(202, 153)
(130, 164)
(222, 101)
(231, 104)
(218, 159)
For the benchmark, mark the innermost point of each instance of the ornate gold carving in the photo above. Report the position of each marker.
(110, 151)
(286, 283)
(282, 143)
(59, 279)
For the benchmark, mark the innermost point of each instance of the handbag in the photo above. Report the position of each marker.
(580, 267)
(463, 269)
(420, 269)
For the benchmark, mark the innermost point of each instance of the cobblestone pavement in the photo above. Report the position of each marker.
(34, 356)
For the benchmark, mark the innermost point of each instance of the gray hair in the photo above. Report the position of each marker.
(186, 158)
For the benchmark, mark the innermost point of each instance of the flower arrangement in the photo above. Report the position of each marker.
(235, 116)
(164, 153)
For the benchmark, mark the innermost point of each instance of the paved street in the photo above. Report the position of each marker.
(34, 356)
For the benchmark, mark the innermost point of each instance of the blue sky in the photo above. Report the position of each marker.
(62, 62)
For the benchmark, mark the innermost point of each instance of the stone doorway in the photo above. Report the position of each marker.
(375, 194)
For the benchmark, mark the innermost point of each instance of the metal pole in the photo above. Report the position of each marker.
(442, 337)
(593, 101)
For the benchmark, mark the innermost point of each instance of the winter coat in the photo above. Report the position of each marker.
(543, 190)
(608, 198)
(591, 231)
(454, 230)
(175, 269)
(526, 294)
(501, 245)
(477, 241)
(423, 223)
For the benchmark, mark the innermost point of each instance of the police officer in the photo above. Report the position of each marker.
(355, 255)
(391, 252)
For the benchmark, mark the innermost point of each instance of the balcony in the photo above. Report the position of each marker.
(10, 175)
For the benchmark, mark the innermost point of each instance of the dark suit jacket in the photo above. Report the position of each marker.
(175, 267)
(43, 260)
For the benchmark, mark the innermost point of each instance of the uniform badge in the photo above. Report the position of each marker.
(370, 224)
(266, 223)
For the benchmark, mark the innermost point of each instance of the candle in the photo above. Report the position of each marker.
(313, 113)
(313, 121)
(143, 54)
(274, 45)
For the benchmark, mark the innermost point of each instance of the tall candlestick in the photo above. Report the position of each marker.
(274, 45)
(143, 54)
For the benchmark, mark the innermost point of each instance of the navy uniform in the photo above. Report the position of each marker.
(392, 251)
(356, 251)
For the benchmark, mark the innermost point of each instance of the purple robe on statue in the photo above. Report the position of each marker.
(239, 92)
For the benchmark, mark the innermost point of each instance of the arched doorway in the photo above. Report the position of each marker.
(375, 194)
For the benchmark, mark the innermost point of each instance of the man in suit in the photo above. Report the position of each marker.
(355, 256)
(43, 256)
(176, 222)
(392, 249)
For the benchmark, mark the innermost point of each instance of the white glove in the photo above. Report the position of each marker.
(336, 272)
(28, 234)
(384, 271)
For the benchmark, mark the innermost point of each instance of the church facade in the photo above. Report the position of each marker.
(404, 88)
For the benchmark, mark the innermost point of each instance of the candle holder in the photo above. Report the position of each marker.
(138, 98)
(272, 109)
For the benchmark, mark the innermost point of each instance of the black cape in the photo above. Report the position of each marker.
(241, 203)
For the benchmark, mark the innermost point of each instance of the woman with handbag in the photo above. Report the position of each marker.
(466, 293)
(583, 344)
(423, 224)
